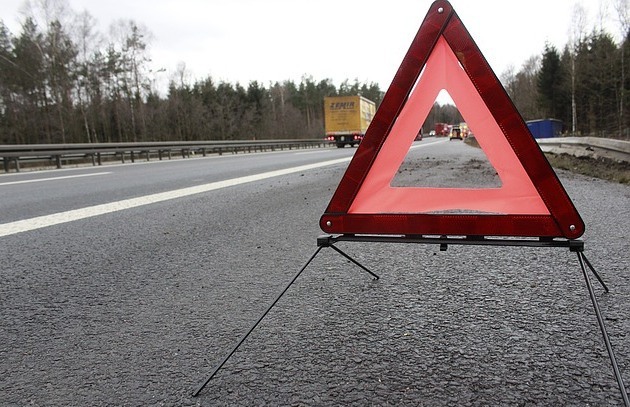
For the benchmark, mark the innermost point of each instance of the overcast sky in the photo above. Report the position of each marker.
(275, 40)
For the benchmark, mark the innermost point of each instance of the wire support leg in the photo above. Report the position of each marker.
(227, 357)
(595, 273)
(354, 261)
(600, 321)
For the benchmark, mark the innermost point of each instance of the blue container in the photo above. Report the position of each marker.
(545, 128)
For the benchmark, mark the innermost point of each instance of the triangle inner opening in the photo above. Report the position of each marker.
(445, 154)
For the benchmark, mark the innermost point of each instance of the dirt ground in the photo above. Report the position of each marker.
(601, 168)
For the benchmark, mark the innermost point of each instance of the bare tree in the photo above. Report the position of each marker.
(576, 35)
(621, 7)
(88, 42)
(55, 18)
(45, 12)
(131, 40)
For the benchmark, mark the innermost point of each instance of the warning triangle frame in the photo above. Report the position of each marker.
(442, 22)
(563, 221)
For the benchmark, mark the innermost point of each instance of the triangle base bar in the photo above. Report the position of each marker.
(576, 245)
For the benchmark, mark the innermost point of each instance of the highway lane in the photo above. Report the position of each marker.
(61, 190)
(135, 307)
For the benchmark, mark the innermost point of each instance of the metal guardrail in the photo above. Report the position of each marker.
(58, 154)
(618, 150)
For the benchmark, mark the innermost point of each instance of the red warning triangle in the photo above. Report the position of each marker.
(531, 200)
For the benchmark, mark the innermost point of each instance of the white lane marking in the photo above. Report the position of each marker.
(311, 152)
(27, 181)
(39, 222)
(427, 144)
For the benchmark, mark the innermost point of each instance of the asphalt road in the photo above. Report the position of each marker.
(136, 305)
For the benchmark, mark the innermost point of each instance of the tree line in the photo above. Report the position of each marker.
(61, 81)
(585, 84)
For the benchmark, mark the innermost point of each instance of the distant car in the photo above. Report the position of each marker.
(456, 133)
(432, 133)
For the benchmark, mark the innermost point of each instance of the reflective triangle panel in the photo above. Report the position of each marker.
(531, 200)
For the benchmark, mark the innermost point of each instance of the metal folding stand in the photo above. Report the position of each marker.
(576, 246)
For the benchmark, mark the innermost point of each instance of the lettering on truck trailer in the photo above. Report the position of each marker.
(341, 105)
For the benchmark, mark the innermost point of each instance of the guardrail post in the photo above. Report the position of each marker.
(17, 164)
(58, 161)
(98, 158)
(5, 161)
(133, 156)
